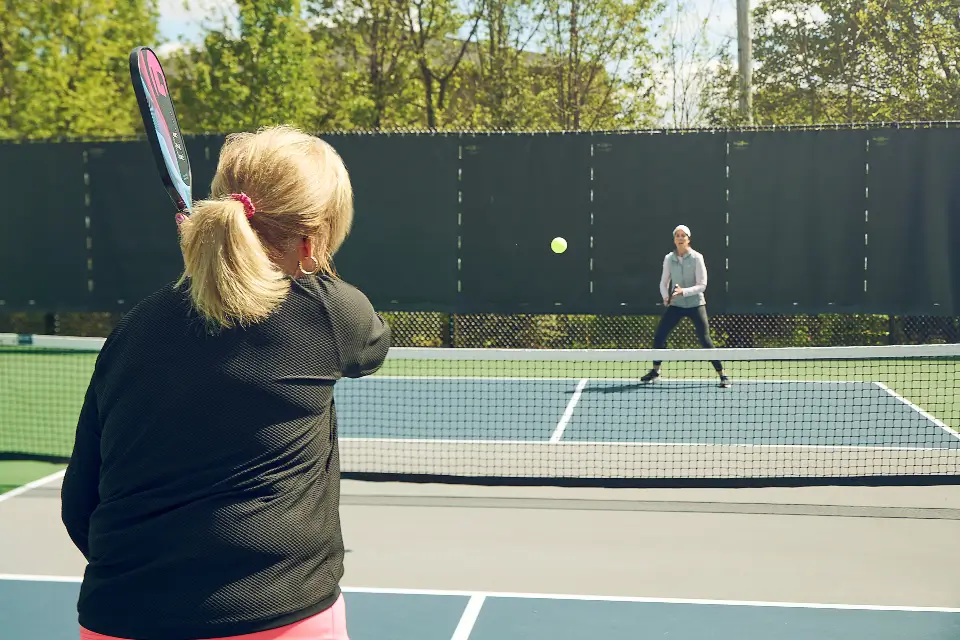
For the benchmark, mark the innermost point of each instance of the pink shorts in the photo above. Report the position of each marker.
(330, 624)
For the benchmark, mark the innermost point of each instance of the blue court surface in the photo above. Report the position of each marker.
(785, 413)
(43, 608)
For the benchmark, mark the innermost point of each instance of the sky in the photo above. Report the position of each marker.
(181, 18)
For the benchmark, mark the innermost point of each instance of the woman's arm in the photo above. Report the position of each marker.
(665, 279)
(364, 336)
(80, 493)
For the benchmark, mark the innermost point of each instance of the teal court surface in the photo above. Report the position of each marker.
(676, 427)
(43, 607)
(803, 413)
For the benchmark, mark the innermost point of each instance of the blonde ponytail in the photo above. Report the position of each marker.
(230, 277)
(293, 186)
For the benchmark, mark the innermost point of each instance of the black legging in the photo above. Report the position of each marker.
(701, 323)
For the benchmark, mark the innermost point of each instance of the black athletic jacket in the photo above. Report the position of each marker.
(204, 483)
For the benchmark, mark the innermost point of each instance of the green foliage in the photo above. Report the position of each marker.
(333, 64)
(499, 85)
(262, 68)
(598, 62)
(431, 28)
(63, 66)
(375, 72)
(824, 61)
(448, 64)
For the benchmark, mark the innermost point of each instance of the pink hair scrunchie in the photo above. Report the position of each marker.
(247, 203)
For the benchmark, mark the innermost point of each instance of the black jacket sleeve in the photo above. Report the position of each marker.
(364, 335)
(80, 492)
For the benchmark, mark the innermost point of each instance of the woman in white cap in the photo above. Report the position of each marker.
(687, 271)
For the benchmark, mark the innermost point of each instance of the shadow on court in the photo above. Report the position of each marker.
(657, 386)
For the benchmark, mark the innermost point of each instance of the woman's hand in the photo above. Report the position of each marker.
(677, 291)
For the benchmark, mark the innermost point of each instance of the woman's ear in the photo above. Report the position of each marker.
(305, 248)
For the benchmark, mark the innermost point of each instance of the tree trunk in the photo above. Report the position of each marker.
(428, 95)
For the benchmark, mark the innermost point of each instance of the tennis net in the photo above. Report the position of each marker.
(554, 416)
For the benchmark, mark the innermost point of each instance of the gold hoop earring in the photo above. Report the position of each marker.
(316, 267)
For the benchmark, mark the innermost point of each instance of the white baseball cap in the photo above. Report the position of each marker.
(682, 227)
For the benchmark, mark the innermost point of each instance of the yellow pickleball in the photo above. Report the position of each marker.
(559, 245)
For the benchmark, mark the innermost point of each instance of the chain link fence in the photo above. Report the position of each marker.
(424, 329)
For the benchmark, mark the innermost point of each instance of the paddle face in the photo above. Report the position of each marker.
(162, 127)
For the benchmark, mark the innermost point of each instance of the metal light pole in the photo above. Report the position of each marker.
(745, 51)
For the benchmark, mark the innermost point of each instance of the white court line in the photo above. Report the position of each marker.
(638, 599)
(662, 381)
(39, 578)
(31, 485)
(713, 379)
(601, 443)
(918, 410)
(568, 412)
(567, 596)
(469, 617)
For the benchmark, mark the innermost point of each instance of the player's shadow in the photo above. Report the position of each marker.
(660, 386)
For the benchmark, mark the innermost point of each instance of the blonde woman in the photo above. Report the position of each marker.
(687, 270)
(204, 483)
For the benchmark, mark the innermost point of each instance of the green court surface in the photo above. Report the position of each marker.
(16, 473)
(41, 392)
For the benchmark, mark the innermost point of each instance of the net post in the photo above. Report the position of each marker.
(447, 331)
(51, 324)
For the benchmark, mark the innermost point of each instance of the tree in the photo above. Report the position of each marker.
(431, 26)
(434, 63)
(914, 57)
(820, 61)
(599, 62)
(689, 59)
(258, 68)
(502, 74)
(63, 66)
(374, 60)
